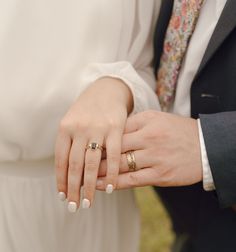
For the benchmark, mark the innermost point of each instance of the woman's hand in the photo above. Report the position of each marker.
(98, 116)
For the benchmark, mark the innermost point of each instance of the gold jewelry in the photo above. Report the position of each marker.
(94, 146)
(131, 161)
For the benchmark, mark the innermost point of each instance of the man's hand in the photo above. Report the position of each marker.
(166, 149)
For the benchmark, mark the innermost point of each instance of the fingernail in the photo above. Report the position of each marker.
(62, 196)
(109, 188)
(85, 204)
(72, 207)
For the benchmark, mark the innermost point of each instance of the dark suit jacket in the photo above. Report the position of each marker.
(208, 216)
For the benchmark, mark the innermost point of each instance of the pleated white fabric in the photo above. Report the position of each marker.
(50, 51)
(33, 219)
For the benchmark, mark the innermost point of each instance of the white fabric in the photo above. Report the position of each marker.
(208, 183)
(50, 50)
(209, 16)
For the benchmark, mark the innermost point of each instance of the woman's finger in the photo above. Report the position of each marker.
(75, 173)
(62, 150)
(113, 151)
(92, 163)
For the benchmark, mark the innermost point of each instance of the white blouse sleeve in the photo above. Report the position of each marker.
(134, 55)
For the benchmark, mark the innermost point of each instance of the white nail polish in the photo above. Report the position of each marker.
(62, 196)
(109, 189)
(85, 204)
(72, 207)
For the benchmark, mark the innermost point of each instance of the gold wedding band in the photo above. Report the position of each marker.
(94, 146)
(131, 161)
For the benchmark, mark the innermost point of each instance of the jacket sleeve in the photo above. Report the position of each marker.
(219, 131)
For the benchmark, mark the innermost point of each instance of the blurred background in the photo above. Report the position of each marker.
(157, 235)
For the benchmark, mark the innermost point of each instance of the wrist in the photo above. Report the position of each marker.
(116, 89)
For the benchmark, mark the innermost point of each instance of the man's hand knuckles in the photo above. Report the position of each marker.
(149, 115)
(133, 180)
(165, 179)
(154, 134)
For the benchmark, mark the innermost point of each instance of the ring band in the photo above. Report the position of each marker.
(131, 161)
(94, 146)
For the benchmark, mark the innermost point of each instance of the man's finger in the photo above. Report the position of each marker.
(142, 160)
(132, 142)
(133, 123)
(144, 177)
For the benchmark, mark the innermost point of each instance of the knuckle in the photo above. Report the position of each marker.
(60, 165)
(164, 175)
(116, 127)
(65, 126)
(73, 166)
(165, 181)
(72, 126)
(99, 127)
(150, 114)
(156, 153)
(91, 165)
(112, 174)
(150, 135)
(133, 179)
(114, 124)
(81, 126)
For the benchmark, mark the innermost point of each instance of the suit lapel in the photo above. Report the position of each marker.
(226, 24)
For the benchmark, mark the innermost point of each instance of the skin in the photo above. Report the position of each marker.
(99, 115)
(166, 148)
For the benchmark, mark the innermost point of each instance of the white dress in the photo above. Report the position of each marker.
(50, 50)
